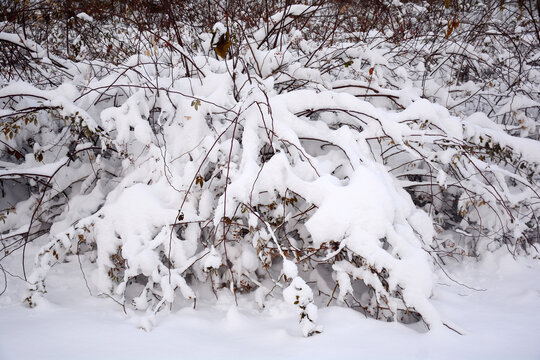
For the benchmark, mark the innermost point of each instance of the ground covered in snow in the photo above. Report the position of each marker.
(502, 321)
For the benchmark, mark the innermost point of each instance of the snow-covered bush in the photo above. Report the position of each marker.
(269, 157)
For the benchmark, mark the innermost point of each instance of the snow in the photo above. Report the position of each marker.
(515, 103)
(131, 114)
(252, 201)
(291, 11)
(20, 41)
(29, 168)
(219, 29)
(212, 260)
(500, 322)
(289, 269)
(84, 16)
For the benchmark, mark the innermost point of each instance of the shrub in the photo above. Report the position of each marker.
(274, 149)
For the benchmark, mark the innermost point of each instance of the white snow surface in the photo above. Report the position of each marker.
(500, 322)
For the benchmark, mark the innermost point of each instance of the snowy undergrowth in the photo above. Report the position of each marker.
(275, 172)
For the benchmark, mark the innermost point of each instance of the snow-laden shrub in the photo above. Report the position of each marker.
(298, 166)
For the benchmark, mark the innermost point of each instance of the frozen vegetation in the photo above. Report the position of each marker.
(360, 173)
